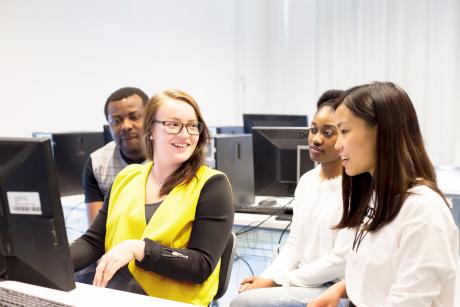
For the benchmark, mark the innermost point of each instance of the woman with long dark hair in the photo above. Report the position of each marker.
(406, 244)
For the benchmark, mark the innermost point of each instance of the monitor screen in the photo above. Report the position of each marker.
(273, 120)
(275, 159)
(304, 162)
(233, 156)
(107, 134)
(33, 240)
(71, 150)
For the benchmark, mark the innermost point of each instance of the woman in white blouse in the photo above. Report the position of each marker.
(406, 244)
(313, 256)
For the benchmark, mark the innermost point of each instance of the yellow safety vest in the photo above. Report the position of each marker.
(170, 226)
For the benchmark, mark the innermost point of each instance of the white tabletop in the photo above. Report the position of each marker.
(252, 219)
(87, 295)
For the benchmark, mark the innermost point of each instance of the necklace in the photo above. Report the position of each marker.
(156, 178)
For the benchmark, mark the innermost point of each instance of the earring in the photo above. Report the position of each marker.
(151, 138)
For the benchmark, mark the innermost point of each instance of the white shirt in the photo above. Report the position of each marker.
(409, 262)
(313, 253)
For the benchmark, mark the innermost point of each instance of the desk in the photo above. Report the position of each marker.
(87, 295)
(249, 219)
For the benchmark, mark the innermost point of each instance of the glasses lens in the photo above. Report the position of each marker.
(194, 128)
(172, 127)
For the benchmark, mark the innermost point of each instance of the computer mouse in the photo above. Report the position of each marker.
(267, 202)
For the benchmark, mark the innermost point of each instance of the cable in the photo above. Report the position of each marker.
(281, 236)
(284, 231)
(238, 257)
(71, 210)
(247, 228)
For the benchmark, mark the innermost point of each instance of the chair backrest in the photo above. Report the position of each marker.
(226, 265)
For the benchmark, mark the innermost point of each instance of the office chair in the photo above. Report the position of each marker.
(226, 265)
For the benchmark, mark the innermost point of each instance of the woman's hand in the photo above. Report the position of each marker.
(254, 282)
(119, 256)
(331, 297)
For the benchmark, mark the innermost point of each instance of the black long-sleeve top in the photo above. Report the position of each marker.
(194, 264)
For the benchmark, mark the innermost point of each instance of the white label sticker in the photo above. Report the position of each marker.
(24, 203)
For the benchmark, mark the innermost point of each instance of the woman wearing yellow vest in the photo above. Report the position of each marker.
(164, 224)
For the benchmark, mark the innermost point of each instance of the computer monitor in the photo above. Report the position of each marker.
(33, 241)
(304, 162)
(448, 177)
(71, 150)
(107, 134)
(273, 120)
(230, 130)
(233, 156)
(275, 159)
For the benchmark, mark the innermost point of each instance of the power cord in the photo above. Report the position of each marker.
(250, 228)
(284, 231)
(71, 210)
(238, 257)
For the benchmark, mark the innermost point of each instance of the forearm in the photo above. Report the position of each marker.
(327, 268)
(316, 273)
(92, 209)
(283, 263)
(210, 232)
(83, 253)
(90, 246)
(339, 289)
(180, 264)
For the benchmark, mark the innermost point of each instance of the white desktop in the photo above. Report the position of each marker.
(87, 295)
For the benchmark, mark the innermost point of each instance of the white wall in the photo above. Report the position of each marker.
(59, 60)
(302, 48)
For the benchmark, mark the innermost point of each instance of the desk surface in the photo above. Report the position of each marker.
(252, 219)
(249, 219)
(87, 295)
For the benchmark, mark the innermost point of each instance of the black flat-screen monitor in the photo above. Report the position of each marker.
(304, 162)
(34, 247)
(275, 159)
(273, 120)
(71, 150)
(230, 130)
(107, 134)
(233, 156)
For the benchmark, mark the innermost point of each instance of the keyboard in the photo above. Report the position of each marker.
(15, 298)
(269, 210)
(284, 217)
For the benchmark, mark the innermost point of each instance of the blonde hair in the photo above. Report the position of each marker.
(186, 172)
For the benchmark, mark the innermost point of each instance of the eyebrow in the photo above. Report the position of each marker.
(120, 115)
(179, 120)
(325, 125)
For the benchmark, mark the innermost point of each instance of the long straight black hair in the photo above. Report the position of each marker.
(401, 159)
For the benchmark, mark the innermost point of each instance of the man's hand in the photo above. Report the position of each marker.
(119, 256)
(253, 282)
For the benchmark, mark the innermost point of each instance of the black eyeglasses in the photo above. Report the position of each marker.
(173, 127)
